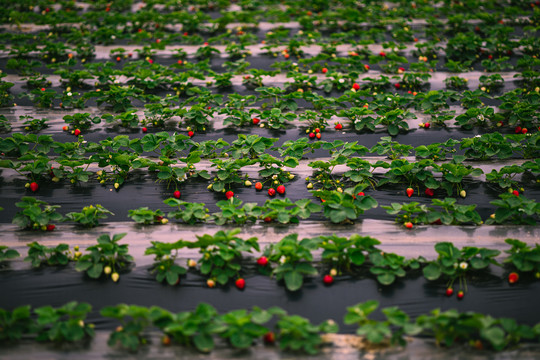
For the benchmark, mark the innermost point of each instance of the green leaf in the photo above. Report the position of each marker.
(293, 280)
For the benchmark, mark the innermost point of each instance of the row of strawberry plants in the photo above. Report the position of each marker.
(290, 260)
(241, 328)
(32, 157)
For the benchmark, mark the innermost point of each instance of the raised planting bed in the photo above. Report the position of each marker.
(374, 155)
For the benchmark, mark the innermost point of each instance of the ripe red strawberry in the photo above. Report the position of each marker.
(190, 133)
(382, 53)
(42, 89)
(262, 261)
(460, 294)
(269, 338)
(328, 279)
(449, 291)
(318, 135)
(513, 277)
(355, 86)
(77, 132)
(281, 189)
(429, 192)
(65, 128)
(408, 225)
(229, 194)
(338, 126)
(524, 130)
(515, 192)
(34, 186)
(240, 283)
(427, 125)
(311, 135)
(518, 129)
(271, 192)
(361, 193)
(258, 185)
(118, 59)
(397, 85)
(267, 219)
(144, 129)
(490, 56)
(317, 130)
(177, 194)
(366, 67)
(210, 283)
(51, 227)
(324, 70)
(410, 191)
(256, 121)
(179, 62)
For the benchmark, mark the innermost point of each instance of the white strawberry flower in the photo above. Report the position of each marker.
(69, 94)
(463, 265)
(341, 81)
(282, 259)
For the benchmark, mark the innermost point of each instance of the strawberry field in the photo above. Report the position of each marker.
(194, 177)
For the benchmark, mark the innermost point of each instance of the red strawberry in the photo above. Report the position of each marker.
(311, 135)
(42, 89)
(318, 135)
(338, 126)
(144, 129)
(366, 67)
(518, 129)
(271, 192)
(328, 279)
(513, 278)
(77, 132)
(524, 130)
(449, 291)
(190, 133)
(361, 193)
(165, 340)
(262, 261)
(410, 192)
(267, 219)
(177, 194)
(229, 194)
(490, 56)
(258, 185)
(427, 125)
(281, 189)
(269, 338)
(65, 128)
(355, 86)
(460, 295)
(382, 53)
(429, 192)
(51, 227)
(240, 283)
(324, 70)
(34, 186)
(408, 225)
(397, 85)
(256, 121)
(317, 130)
(515, 192)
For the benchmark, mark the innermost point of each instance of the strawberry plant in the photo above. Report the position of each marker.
(292, 259)
(64, 324)
(453, 174)
(276, 119)
(190, 213)
(411, 212)
(345, 206)
(89, 216)
(286, 212)
(342, 254)
(36, 214)
(127, 119)
(119, 98)
(505, 177)
(436, 151)
(523, 257)
(222, 254)
(453, 263)
(39, 254)
(6, 253)
(146, 216)
(134, 321)
(414, 174)
(228, 173)
(243, 327)
(81, 121)
(297, 334)
(387, 267)
(164, 265)
(5, 124)
(250, 146)
(392, 149)
(392, 330)
(477, 117)
(234, 211)
(16, 323)
(35, 125)
(195, 328)
(106, 257)
(514, 210)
